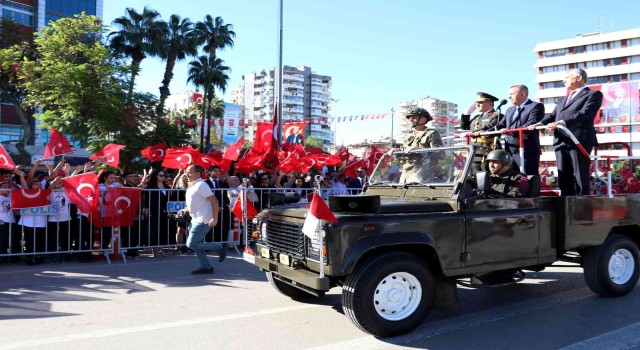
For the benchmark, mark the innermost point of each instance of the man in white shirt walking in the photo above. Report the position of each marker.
(203, 207)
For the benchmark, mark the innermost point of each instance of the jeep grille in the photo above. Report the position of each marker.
(287, 238)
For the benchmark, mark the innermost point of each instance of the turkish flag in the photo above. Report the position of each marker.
(29, 198)
(263, 140)
(83, 191)
(196, 97)
(325, 160)
(121, 205)
(343, 153)
(111, 153)
(156, 152)
(237, 208)
(5, 160)
(350, 169)
(203, 160)
(318, 210)
(178, 158)
(57, 146)
(372, 158)
(233, 151)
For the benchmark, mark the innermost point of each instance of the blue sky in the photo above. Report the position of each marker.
(381, 52)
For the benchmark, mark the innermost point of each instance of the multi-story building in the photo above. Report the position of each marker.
(444, 116)
(306, 97)
(612, 62)
(32, 15)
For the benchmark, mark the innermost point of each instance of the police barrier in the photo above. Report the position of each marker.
(60, 232)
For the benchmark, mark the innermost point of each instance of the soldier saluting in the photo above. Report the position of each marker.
(485, 120)
(420, 136)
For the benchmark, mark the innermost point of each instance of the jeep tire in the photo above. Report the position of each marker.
(389, 294)
(612, 269)
(288, 290)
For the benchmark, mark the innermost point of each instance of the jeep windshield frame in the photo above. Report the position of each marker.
(443, 166)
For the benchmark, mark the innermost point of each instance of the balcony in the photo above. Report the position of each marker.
(293, 77)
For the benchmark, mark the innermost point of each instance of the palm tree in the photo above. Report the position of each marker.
(208, 73)
(140, 35)
(214, 34)
(179, 41)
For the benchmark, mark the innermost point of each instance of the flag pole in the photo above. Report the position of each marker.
(243, 203)
(316, 191)
(280, 79)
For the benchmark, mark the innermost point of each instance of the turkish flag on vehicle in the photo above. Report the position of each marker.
(111, 154)
(29, 198)
(5, 160)
(233, 151)
(318, 210)
(121, 206)
(57, 146)
(263, 140)
(83, 191)
(237, 208)
(156, 152)
(372, 159)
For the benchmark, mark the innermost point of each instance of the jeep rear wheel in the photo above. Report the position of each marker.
(613, 268)
(389, 295)
(286, 289)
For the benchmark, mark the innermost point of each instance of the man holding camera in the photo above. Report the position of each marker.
(203, 207)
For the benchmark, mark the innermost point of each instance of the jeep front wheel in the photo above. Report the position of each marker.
(613, 268)
(389, 295)
(286, 289)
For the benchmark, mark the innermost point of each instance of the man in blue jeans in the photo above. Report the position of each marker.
(202, 205)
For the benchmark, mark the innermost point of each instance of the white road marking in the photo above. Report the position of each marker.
(624, 338)
(149, 327)
(428, 330)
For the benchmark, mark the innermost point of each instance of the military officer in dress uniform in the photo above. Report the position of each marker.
(420, 136)
(485, 120)
(505, 182)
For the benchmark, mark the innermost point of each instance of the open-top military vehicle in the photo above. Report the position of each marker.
(426, 222)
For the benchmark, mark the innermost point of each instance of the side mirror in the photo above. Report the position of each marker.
(483, 179)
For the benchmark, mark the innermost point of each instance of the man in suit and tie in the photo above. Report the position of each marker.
(576, 112)
(355, 185)
(523, 113)
(219, 188)
(296, 137)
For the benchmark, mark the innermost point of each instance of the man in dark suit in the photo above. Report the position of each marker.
(219, 188)
(577, 112)
(523, 113)
(355, 185)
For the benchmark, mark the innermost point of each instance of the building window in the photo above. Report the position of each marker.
(558, 68)
(616, 61)
(616, 44)
(597, 80)
(593, 64)
(634, 41)
(578, 49)
(554, 53)
(597, 47)
(18, 16)
(552, 85)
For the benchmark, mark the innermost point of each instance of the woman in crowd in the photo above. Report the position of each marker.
(7, 229)
(155, 209)
(58, 230)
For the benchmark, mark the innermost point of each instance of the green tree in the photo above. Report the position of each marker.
(312, 141)
(140, 35)
(179, 40)
(209, 74)
(214, 34)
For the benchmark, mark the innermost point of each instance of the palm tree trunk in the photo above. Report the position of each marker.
(164, 88)
(135, 69)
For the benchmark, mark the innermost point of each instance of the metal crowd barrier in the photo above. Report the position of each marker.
(153, 226)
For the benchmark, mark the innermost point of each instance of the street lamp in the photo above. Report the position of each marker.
(335, 124)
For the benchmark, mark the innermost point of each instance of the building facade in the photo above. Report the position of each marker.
(612, 63)
(444, 115)
(306, 97)
(32, 15)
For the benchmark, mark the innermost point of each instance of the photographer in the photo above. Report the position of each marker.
(203, 207)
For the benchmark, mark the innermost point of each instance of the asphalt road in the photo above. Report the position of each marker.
(157, 304)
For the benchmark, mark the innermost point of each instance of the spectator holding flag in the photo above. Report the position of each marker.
(33, 226)
(7, 219)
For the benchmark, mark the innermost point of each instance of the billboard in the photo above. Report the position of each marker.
(230, 129)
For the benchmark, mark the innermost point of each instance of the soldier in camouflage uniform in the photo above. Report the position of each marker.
(485, 120)
(505, 182)
(420, 136)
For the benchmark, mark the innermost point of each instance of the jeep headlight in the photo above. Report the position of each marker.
(263, 230)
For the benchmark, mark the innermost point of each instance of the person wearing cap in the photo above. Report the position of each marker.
(505, 182)
(420, 136)
(523, 113)
(486, 119)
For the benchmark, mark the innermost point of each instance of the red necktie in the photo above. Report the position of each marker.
(569, 98)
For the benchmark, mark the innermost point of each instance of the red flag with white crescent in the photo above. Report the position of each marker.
(121, 205)
(83, 191)
(5, 160)
(179, 158)
(111, 154)
(29, 198)
(233, 151)
(237, 208)
(263, 140)
(57, 145)
(156, 152)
